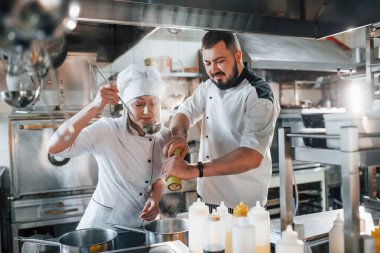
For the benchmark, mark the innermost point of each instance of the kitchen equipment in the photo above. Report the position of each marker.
(19, 98)
(81, 241)
(367, 123)
(174, 183)
(164, 230)
(109, 83)
(45, 195)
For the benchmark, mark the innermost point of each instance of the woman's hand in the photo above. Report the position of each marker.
(151, 209)
(107, 94)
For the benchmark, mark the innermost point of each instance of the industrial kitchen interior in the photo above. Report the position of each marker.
(320, 58)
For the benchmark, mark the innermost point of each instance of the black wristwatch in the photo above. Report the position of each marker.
(200, 169)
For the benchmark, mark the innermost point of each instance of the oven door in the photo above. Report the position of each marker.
(34, 171)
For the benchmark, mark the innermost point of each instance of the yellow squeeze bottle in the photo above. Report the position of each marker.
(174, 183)
(376, 235)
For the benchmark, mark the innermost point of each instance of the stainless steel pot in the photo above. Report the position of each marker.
(81, 241)
(164, 230)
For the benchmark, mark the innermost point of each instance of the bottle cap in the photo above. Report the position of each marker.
(222, 209)
(241, 210)
(258, 213)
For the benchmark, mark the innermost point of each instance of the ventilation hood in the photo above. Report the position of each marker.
(293, 53)
(301, 18)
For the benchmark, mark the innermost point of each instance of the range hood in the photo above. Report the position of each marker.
(293, 53)
(301, 18)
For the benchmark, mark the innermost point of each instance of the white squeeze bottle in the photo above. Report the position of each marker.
(336, 236)
(243, 236)
(214, 234)
(198, 213)
(259, 218)
(289, 242)
(226, 217)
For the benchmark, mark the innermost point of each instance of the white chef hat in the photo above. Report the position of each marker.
(136, 81)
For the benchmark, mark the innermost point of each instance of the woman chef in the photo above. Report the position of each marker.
(130, 185)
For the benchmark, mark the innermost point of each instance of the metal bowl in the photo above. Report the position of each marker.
(19, 98)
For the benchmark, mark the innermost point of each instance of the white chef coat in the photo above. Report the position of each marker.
(242, 116)
(127, 163)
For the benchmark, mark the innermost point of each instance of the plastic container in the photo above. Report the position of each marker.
(259, 218)
(366, 124)
(243, 236)
(376, 235)
(336, 236)
(289, 242)
(214, 234)
(198, 213)
(226, 217)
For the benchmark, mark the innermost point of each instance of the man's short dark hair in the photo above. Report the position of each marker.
(211, 38)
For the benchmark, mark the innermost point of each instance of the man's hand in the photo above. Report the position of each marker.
(151, 209)
(107, 94)
(176, 166)
(172, 144)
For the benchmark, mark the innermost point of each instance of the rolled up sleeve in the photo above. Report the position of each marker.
(86, 141)
(194, 106)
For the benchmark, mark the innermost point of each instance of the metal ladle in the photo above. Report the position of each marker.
(150, 129)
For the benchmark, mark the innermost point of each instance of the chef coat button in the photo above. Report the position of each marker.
(207, 157)
(140, 193)
(146, 181)
(207, 117)
(206, 136)
(150, 139)
(149, 161)
(210, 97)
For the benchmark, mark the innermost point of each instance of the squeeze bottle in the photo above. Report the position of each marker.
(336, 236)
(289, 242)
(259, 218)
(243, 236)
(376, 235)
(198, 213)
(226, 217)
(214, 235)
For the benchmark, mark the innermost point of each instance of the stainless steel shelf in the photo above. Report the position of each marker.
(369, 157)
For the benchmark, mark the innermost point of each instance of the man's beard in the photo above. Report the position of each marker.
(229, 83)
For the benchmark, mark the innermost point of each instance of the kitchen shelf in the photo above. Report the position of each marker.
(182, 74)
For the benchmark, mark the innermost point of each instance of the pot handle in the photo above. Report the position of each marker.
(40, 241)
(133, 229)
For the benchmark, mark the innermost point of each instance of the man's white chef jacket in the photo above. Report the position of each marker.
(242, 116)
